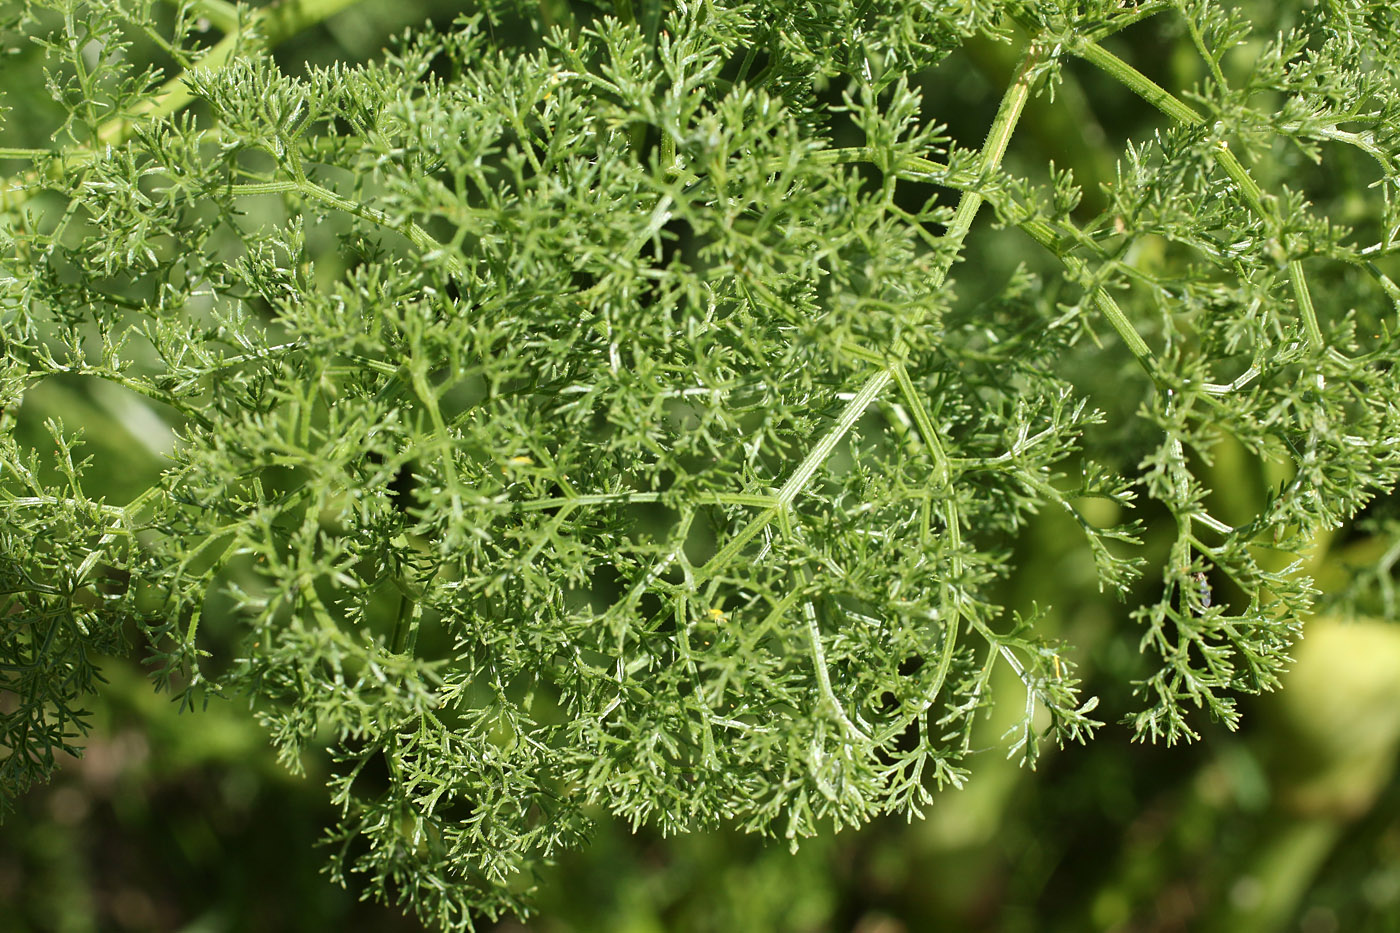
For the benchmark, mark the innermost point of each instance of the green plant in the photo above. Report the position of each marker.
(576, 427)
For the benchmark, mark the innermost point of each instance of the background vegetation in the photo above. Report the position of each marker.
(187, 821)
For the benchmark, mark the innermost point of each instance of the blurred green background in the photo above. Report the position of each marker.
(185, 822)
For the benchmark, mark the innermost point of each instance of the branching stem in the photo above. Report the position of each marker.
(415, 234)
(1178, 110)
(270, 25)
(993, 149)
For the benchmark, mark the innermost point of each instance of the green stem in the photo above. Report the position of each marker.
(817, 455)
(943, 476)
(1305, 303)
(814, 642)
(404, 622)
(48, 367)
(1200, 44)
(1120, 323)
(1391, 290)
(1128, 17)
(993, 149)
(1137, 82)
(749, 56)
(1250, 191)
(942, 470)
(22, 153)
(428, 397)
(753, 500)
(1043, 234)
(415, 234)
(1060, 127)
(914, 168)
(668, 152)
(124, 529)
(221, 15)
(271, 25)
(1169, 104)
(921, 169)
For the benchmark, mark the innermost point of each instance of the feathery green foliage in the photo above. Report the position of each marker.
(576, 427)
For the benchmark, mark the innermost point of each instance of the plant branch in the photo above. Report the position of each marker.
(993, 149)
(1178, 110)
(415, 233)
(262, 28)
